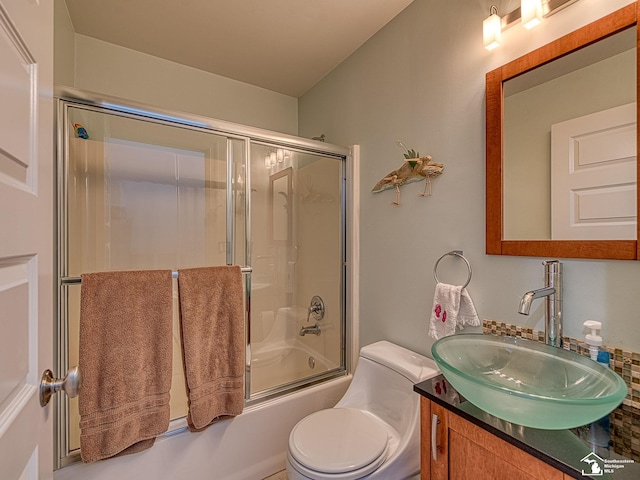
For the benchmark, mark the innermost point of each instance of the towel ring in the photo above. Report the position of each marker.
(456, 253)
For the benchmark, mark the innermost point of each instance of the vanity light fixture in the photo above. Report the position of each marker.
(531, 13)
(492, 29)
(277, 160)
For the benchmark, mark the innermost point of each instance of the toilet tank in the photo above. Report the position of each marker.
(383, 383)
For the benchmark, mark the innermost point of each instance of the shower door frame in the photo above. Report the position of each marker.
(67, 98)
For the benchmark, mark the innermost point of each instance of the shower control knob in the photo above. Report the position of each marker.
(50, 385)
(316, 308)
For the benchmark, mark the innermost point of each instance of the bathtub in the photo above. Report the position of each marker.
(250, 446)
(281, 364)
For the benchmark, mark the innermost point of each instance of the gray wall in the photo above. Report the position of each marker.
(421, 80)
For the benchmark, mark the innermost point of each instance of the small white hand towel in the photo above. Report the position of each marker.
(452, 308)
(467, 314)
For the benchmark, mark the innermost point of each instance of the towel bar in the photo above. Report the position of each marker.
(78, 280)
(457, 253)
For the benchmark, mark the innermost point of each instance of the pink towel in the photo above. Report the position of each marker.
(452, 308)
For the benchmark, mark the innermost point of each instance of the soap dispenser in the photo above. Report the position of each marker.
(593, 339)
(598, 433)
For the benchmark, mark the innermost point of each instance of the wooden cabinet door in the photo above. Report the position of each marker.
(434, 452)
(456, 449)
(475, 454)
(440, 442)
(425, 439)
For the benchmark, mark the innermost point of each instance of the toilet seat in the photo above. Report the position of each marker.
(343, 443)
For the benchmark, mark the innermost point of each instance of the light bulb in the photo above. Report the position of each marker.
(530, 13)
(492, 30)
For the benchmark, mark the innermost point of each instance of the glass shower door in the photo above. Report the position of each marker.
(145, 190)
(297, 253)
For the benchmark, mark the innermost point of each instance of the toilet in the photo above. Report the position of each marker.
(373, 432)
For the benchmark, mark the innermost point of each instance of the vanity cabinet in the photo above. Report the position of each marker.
(454, 448)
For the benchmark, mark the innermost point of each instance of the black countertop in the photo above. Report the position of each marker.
(565, 450)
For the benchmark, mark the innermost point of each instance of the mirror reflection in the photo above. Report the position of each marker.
(570, 146)
(280, 196)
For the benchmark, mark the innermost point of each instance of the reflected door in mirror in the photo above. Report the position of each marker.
(585, 72)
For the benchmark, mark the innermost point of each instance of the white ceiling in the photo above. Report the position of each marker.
(282, 45)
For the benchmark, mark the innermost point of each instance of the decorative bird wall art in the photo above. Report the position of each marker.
(414, 169)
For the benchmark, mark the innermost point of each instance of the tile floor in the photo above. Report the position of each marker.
(283, 476)
(277, 476)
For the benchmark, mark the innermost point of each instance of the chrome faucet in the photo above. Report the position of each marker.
(315, 310)
(314, 329)
(552, 292)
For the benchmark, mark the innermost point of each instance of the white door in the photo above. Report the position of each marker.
(593, 176)
(26, 236)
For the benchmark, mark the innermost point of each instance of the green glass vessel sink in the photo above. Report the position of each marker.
(527, 382)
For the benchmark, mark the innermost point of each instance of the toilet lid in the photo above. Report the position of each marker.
(338, 440)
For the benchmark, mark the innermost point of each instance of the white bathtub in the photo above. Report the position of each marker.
(284, 363)
(250, 446)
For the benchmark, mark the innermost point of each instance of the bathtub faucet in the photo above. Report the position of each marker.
(315, 330)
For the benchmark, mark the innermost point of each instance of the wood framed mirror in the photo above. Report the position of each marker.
(621, 22)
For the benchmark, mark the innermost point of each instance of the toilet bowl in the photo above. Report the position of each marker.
(373, 432)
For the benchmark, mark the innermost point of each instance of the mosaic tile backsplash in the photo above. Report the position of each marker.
(625, 420)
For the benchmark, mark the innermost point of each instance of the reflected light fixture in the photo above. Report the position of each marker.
(531, 13)
(279, 159)
(492, 29)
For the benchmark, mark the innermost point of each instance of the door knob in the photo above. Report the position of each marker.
(50, 385)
